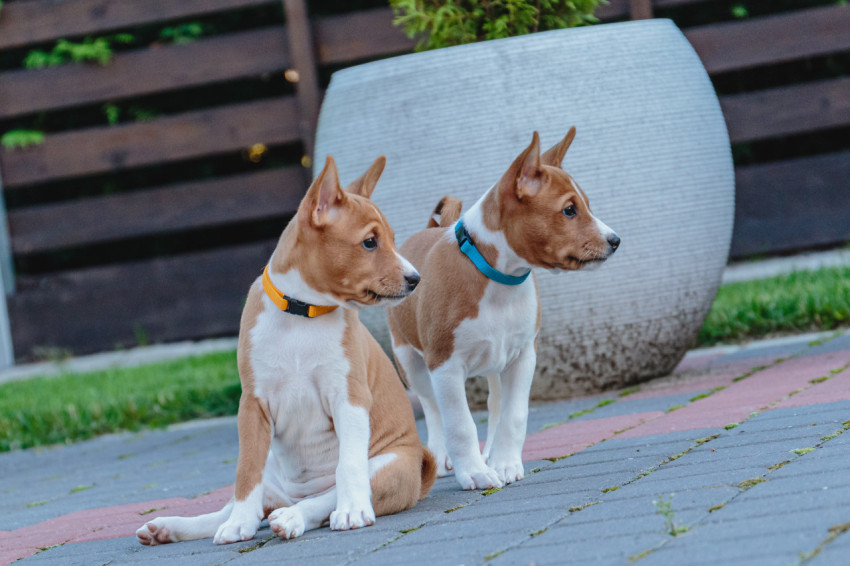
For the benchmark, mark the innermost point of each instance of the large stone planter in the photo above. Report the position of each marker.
(652, 153)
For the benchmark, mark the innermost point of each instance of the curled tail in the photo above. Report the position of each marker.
(429, 471)
(448, 209)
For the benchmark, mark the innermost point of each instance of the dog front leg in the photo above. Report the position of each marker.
(254, 439)
(506, 453)
(461, 435)
(354, 492)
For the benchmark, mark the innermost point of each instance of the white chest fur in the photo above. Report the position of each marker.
(505, 325)
(300, 370)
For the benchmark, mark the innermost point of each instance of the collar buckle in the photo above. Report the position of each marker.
(298, 307)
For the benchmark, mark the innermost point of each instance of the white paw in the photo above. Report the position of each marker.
(509, 471)
(153, 533)
(352, 516)
(444, 464)
(235, 531)
(478, 478)
(287, 522)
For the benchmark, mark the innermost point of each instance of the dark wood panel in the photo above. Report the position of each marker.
(774, 39)
(792, 205)
(167, 299)
(302, 48)
(145, 71)
(359, 35)
(184, 136)
(219, 202)
(34, 21)
(790, 110)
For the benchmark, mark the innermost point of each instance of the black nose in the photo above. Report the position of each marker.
(614, 242)
(412, 281)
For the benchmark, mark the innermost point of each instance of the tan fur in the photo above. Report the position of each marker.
(448, 209)
(416, 321)
(253, 418)
(526, 206)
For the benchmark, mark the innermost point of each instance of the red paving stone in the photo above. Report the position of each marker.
(761, 391)
(569, 438)
(102, 523)
(836, 389)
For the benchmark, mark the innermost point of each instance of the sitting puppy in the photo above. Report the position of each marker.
(326, 431)
(478, 313)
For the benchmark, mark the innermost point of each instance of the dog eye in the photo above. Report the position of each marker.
(370, 243)
(570, 211)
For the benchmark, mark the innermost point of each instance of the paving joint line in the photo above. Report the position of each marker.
(743, 487)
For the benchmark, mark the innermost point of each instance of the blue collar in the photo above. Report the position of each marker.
(467, 246)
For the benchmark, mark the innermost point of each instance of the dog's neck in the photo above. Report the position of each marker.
(507, 260)
(284, 273)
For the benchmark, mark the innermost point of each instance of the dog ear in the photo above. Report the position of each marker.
(324, 196)
(365, 184)
(528, 170)
(555, 155)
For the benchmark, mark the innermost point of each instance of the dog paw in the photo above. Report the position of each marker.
(153, 533)
(287, 523)
(481, 478)
(235, 531)
(347, 517)
(509, 471)
(444, 464)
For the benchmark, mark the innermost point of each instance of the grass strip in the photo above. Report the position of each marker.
(802, 301)
(68, 408)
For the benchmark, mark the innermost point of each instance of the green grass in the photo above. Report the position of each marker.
(68, 408)
(798, 302)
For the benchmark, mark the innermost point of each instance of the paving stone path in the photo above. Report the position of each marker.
(740, 457)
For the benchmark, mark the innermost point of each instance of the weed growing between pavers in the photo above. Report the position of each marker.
(558, 458)
(583, 506)
(260, 544)
(538, 533)
(37, 503)
(665, 509)
(675, 408)
(610, 489)
(730, 426)
(641, 555)
(491, 491)
(750, 483)
(453, 509)
(629, 391)
(716, 508)
(493, 555)
(782, 464)
(801, 451)
(152, 510)
(80, 488)
(756, 369)
(707, 394)
(834, 532)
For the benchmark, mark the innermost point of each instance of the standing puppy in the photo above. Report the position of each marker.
(326, 431)
(478, 313)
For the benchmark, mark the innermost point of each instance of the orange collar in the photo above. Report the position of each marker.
(290, 305)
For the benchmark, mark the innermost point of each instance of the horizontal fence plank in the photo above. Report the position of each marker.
(35, 21)
(173, 138)
(789, 110)
(202, 204)
(774, 39)
(146, 71)
(791, 205)
(359, 35)
(175, 298)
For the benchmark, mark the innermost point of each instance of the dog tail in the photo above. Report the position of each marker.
(448, 209)
(429, 472)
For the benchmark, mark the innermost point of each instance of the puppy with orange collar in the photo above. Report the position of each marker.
(477, 311)
(326, 432)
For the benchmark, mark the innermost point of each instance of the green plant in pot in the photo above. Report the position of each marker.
(455, 22)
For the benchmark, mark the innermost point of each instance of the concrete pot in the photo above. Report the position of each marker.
(652, 153)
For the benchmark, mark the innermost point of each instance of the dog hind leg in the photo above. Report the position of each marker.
(419, 379)
(494, 402)
(175, 529)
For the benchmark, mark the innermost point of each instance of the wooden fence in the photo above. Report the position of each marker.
(197, 291)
